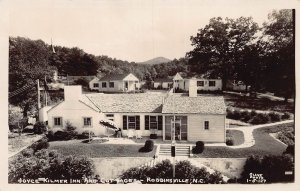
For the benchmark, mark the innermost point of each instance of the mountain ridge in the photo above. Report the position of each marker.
(157, 60)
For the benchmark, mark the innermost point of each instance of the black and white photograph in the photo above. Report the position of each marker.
(150, 92)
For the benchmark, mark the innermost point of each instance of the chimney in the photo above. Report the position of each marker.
(72, 93)
(193, 87)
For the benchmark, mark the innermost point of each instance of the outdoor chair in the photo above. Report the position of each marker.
(138, 134)
(130, 133)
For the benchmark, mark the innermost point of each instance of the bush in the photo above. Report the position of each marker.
(39, 128)
(199, 147)
(272, 167)
(275, 117)
(60, 135)
(49, 164)
(245, 116)
(149, 145)
(85, 135)
(164, 170)
(229, 142)
(234, 114)
(70, 131)
(290, 150)
(153, 136)
(287, 138)
(41, 144)
(260, 118)
(50, 136)
(286, 116)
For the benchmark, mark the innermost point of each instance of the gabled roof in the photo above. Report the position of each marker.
(111, 77)
(184, 104)
(127, 103)
(177, 77)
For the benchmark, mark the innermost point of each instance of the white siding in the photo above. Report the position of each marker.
(118, 120)
(215, 133)
(118, 86)
(91, 84)
(74, 112)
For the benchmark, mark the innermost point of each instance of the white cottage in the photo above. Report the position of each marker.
(193, 118)
(116, 83)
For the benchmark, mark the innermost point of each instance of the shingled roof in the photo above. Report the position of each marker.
(194, 105)
(111, 77)
(126, 103)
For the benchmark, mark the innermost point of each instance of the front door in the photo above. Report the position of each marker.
(176, 127)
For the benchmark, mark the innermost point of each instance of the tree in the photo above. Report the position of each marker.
(280, 52)
(218, 45)
(28, 61)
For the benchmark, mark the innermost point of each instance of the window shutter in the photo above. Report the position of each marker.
(146, 122)
(137, 122)
(124, 122)
(160, 122)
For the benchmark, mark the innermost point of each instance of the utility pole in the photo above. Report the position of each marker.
(38, 92)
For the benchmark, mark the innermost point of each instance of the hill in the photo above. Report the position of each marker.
(157, 60)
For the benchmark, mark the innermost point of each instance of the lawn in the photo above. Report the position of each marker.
(257, 103)
(96, 150)
(264, 145)
(236, 135)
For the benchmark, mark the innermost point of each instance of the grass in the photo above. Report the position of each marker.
(236, 135)
(257, 103)
(96, 150)
(264, 145)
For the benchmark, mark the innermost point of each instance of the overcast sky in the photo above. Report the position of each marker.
(132, 30)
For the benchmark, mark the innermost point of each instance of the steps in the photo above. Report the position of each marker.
(181, 150)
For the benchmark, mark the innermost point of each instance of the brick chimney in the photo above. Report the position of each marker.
(72, 93)
(192, 87)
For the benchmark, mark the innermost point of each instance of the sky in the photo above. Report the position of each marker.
(132, 30)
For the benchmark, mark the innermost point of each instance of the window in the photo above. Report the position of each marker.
(111, 84)
(103, 84)
(57, 121)
(131, 122)
(87, 121)
(110, 117)
(200, 83)
(153, 122)
(206, 125)
(212, 83)
(96, 85)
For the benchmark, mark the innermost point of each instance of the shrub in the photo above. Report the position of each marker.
(229, 142)
(41, 144)
(272, 167)
(49, 164)
(60, 135)
(253, 113)
(70, 131)
(163, 169)
(290, 150)
(39, 128)
(149, 145)
(245, 116)
(286, 116)
(260, 118)
(50, 136)
(27, 152)
(275, 117)
(85, 135)
(153, 136)
(234, 114)
(285, 139)
(199, 147)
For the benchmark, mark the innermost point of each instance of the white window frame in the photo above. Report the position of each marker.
(61, 122)
(213, 82)
(104, 83)
(128, 116)
(110, 116)
(89, 125)
(155, 122)
(200, 81)
(109, 84)
(95, 84)
(205, 126)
